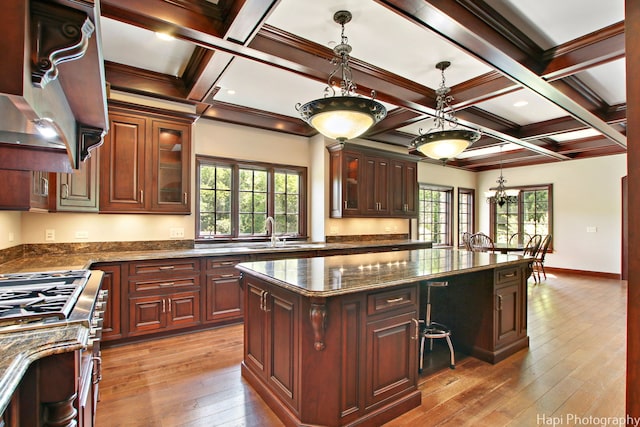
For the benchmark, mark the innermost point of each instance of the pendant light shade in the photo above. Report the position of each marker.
(501, 195)
(348, 115)
(440, 143)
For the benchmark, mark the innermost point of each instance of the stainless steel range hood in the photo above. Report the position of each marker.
(52, 78)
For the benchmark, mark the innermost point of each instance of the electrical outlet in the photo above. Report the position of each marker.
(176, 232)
(49, 234)
(592, 229)
(82, 234)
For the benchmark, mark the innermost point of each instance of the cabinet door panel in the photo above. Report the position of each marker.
(507, 319)
(282, 344)
(391, 357)
(170, 167)
(255, 328)
(224, 298)
(183, 309)
(147, 314)
(111, 282)
(122, 168)
(78, 191)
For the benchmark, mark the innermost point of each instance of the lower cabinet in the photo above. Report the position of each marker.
(111, 325)
(352, 357)
(271, 337)
(510, 306)
(223, 294)
(157, 312)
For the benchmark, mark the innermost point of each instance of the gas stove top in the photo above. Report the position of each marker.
(40, 296)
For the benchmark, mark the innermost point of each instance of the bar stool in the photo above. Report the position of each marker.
(434, 330)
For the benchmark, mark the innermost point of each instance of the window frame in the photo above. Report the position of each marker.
(471, 214)
(520, 213)
(271, 169)
(449, 203)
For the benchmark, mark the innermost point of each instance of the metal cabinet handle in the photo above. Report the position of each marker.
(98, 364)
(227, 263)
(263, 301)
(394, 300)
(163, 306)
(166, 267)
(510, 275)
(186, 198)
(142, 197)
(226, 276)
(499, 302)
(166, 284)
(65, 191)
(169, 303)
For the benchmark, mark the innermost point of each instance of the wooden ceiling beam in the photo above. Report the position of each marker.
(476, 38)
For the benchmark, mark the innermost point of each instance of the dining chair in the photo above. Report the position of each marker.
(465, 240)
(480, 242)
(519, 238)
(538, 262)
(532, 249)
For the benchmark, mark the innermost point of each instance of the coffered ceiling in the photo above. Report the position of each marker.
(544, 79)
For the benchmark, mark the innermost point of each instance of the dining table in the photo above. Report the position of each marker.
(505, 248)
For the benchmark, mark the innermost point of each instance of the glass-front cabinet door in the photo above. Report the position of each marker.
(170, 174)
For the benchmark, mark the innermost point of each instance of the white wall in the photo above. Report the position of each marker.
(586, 193)
(10, 229)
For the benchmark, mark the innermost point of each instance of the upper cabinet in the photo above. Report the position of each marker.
(145, 162)
(371, 183)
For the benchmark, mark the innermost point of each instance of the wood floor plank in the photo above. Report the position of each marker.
(575, 366)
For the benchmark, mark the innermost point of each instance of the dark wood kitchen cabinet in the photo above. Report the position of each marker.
(272, 339)
(223, 295)
(355, 353)
(145, 163)
(404, 188)
(163, 295)
(111, 282)
(371, 183)
(510, 307)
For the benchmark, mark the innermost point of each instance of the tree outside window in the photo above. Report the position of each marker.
(532, 213)
(236, 198)
(435, 214)
(466, 212)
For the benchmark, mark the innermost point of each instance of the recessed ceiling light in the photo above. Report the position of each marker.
(520, 103)
(164, 36)
(231, 92)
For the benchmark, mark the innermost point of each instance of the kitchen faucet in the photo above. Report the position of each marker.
(274, 239)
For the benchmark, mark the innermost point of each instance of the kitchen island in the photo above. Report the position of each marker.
(334, 340)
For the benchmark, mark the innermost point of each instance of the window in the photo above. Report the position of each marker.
(532, 213)
(235, 199)
(466, 212)
(435, 214)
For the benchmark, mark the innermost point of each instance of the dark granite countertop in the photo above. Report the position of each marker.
(342, 274)
(83, 260)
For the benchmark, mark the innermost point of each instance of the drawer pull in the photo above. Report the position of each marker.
(510, 275)
(166, 267)
(394, 300)
(226, 276)
(166, 284)
(227, 263)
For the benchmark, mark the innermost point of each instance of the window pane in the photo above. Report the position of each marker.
(293, 204)
(434, 214)
(246, 202)
(246, 180)
(280, 203)
(260, 203)
(223, 224)
(280, 180)
(530, 214)
(293, 183)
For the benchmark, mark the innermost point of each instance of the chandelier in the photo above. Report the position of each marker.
(348, 115)
(501, 195)
(440, 143)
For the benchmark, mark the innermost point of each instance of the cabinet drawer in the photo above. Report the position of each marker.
(166, 284)
(507, 275)
(402, 298)
(223, 263)
(164, 266)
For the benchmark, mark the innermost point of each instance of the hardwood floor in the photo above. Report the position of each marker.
(574, 371)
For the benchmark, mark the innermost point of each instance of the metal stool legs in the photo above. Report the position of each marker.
(434, 330)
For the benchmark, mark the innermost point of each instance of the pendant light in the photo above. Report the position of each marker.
(501, 195)
(444, 140)
(348, 115)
